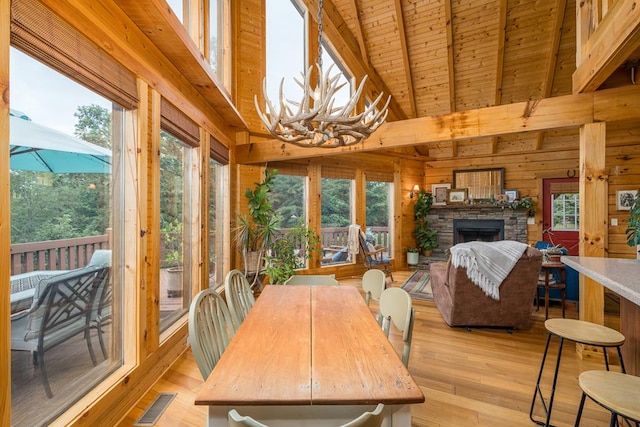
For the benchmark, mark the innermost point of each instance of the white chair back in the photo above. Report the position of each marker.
(396, 307)
(239, 296)
(368, 419)
(210, 329)
(312, 279)
(373, 283)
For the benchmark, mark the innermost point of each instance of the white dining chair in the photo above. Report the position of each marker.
(239, 296)
(396, 307)
(373, 283)
(312, 279)
(368, 419)
(210, 329)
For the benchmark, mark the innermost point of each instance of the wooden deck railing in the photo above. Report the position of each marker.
(339, 236)
(65, 254)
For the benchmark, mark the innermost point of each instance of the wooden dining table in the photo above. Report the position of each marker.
(309, 355)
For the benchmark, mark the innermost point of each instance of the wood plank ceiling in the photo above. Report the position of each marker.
(444, 56)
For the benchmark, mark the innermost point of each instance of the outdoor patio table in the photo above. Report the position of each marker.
(309, 352)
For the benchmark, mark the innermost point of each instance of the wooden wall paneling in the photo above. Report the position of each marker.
(593, 213)
(314, 201)
(5, 219)
(152, 322)
(397, 223)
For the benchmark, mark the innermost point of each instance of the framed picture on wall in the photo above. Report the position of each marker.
(511, 195)
(439, 192)
(456, 195)
(625, 199)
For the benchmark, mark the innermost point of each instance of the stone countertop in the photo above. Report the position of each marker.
(618, 274)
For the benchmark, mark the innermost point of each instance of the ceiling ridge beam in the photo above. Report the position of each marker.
(560, 112)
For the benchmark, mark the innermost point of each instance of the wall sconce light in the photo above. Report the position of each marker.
(416, 189)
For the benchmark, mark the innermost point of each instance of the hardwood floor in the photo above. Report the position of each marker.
(482, 377)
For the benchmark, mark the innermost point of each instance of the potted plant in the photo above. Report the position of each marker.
(426, 238)
(291, 252)
(633, 225)
(413, 256)
(256, 232)
(172, 233)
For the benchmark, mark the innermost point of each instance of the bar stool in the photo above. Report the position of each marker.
(581, 332)
(616, 392)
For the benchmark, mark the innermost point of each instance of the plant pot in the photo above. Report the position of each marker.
(427, 252)
(413, 258)
(174, 282)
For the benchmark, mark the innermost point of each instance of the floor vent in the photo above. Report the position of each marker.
(153, 412)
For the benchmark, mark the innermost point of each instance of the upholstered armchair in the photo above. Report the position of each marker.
(462, 303)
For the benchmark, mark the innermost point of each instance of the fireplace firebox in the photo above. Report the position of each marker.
(485, 230)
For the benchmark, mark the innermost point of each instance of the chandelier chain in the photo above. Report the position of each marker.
(320, 30)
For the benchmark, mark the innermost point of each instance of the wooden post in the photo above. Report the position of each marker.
(593, 219)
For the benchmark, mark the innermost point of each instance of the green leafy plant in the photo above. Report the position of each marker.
(172, 233)
(633, 224)
(291, 252)
(413, 250)
(257, 231)
(426, 237)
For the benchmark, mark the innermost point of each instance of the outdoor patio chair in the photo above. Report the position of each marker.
(61, 309)
(374, 257)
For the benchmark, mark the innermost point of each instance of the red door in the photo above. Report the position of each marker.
(560, 215)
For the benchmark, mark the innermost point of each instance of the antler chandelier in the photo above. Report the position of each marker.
(316, 121)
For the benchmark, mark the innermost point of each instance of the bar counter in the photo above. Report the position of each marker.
(622, 276)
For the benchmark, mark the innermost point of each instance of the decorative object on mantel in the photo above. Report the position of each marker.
(456, 195)
(633, 224)
(439, 192)
(316, 122)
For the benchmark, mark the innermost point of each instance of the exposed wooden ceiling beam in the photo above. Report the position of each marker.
(405, 58)
(359, 32)
(611, 44)
(561, 112)
(552, 59)
(347, 47)
(452, 79)
(502, 30)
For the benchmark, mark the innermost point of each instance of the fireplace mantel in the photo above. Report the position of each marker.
(441, 219)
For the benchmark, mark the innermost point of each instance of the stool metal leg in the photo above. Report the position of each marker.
(580, 408)
(538, 391)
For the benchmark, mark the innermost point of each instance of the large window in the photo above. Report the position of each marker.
(337, 214)
(66, 205)
(175, 280)
(216, 223)
(285, 48)
(379, 193)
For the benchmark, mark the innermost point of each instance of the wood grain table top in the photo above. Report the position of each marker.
(303, 345)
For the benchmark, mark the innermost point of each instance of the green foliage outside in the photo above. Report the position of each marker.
(49, 206)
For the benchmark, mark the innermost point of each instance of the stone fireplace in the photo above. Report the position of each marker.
(460, 223)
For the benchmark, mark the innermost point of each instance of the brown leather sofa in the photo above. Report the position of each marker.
(462, 303)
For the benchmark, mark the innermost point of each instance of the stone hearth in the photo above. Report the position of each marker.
(441, 219)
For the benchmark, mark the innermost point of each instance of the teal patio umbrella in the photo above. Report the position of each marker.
(38, 148)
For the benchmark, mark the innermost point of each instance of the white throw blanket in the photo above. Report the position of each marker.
(487, 263)
(354, 235)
